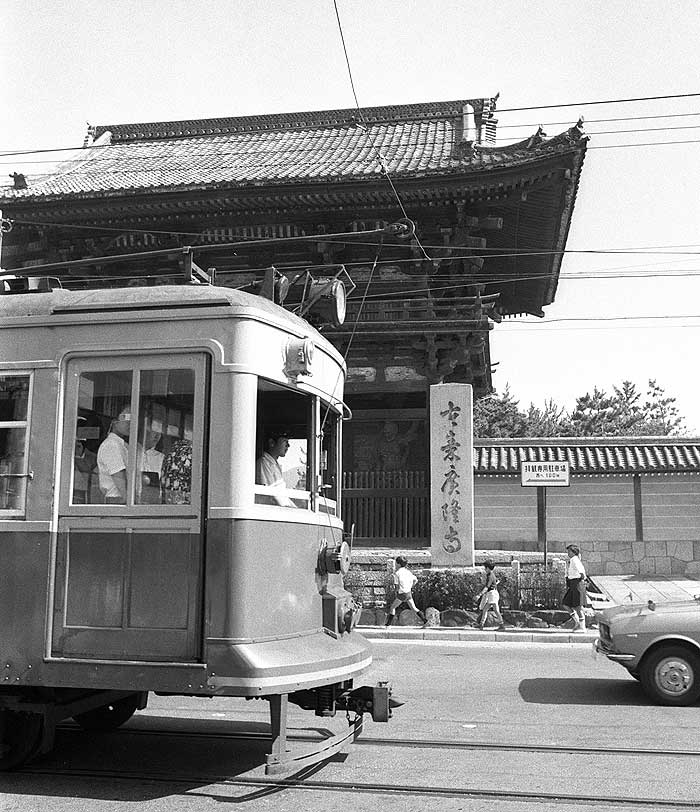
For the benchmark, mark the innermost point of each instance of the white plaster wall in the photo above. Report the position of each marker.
(505, 514)
(671, 507)
(592, 510)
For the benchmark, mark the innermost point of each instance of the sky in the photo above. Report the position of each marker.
(637, 214)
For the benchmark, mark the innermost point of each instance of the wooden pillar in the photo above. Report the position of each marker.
(638, 524)
(542, 520)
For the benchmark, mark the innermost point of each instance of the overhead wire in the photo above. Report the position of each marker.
(184, 162)
(600, 101)
(396, 119)
(378, 155)
(384, 170)
(472, 253)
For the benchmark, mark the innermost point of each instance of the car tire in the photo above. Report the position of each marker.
(670, 675)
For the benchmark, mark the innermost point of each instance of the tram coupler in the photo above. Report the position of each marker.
(328, 699)
(373, 699)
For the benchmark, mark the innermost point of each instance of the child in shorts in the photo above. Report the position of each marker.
(404, 580)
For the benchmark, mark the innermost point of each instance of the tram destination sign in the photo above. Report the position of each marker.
(549, 474)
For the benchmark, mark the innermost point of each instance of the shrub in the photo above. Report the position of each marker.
(540, 588)
(458, 589)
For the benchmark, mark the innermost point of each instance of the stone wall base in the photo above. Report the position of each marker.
(642, 558)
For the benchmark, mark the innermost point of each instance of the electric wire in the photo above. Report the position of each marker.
(175, 163)
(479, 253)
(600, 101)
(186, 160)
(394, 120)
(346, 352)
(378, 155)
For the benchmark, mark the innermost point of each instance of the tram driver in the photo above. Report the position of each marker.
(267, 468)
(112, 458)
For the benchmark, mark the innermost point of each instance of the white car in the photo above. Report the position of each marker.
(659, 644)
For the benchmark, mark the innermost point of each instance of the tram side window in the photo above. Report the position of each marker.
(14, 400)
(330, 460)
(157, 467)
(284, 429)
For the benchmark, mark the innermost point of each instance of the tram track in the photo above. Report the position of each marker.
(220, 785)
(425, 744)
(264, 786)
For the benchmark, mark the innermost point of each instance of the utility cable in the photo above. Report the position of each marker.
(294, 127)
(379, 157)
(599, 101)
(117, 173)
(483, 253)
(186, 160)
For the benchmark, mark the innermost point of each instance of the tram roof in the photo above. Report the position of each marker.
(157, 297)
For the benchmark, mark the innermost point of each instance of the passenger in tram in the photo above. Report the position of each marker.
(84, 464)
(267, 468)
(176, 474)
(112, 458)
(151, 468)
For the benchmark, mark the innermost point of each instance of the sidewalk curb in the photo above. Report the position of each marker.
(475, 636)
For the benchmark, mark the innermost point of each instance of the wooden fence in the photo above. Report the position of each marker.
(388, 508)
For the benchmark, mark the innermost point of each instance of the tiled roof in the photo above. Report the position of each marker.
(589, 455)
(415, 141)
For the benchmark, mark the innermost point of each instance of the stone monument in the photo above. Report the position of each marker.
(451, 475)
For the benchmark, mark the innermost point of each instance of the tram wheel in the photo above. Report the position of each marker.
(109, 717)
(20, 737)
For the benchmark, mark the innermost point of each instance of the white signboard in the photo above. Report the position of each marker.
(551, 474)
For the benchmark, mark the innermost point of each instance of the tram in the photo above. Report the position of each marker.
(177, 573)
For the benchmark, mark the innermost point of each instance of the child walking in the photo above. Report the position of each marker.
(403, 580)
(489, 597)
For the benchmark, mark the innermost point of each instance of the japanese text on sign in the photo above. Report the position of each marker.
(554, 474)
(450, 486)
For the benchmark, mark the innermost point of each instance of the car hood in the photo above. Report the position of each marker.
(644, 609)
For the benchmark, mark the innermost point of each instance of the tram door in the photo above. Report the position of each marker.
(128, 565)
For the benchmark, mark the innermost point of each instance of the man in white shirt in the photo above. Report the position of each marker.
(267, 469)
(112, 457)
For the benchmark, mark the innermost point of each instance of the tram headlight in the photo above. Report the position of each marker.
(334, 560)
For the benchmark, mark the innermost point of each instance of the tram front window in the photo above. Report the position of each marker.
(283, 459)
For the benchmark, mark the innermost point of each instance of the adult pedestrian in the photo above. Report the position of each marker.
(575, 597)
